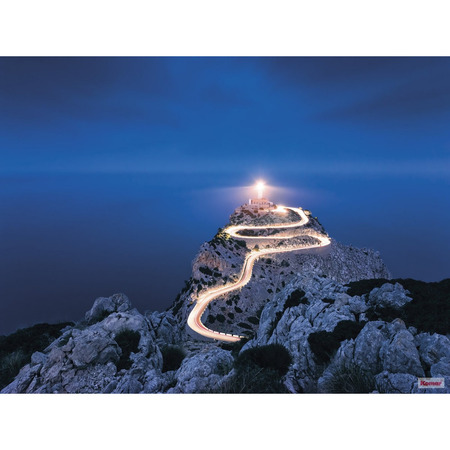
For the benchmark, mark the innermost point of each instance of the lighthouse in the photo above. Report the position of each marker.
(260, 203)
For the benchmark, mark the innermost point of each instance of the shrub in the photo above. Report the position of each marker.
(234, 347)
(274, 356)
(128, 341)
(10, 366)
(16, 349)
(172, 357)
(295, 298)
(245, 325)
(254, 320)
(274, 323)
(220, 318)
(349, 378)
(428, 311)
(252, 380)
(365, 286)
(205, 270)
(258, 370)
(102, 316)
(324, 343)
(177, 304)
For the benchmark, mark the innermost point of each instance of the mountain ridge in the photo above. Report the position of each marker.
(337, 341)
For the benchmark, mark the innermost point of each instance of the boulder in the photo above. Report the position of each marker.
(400, 355)
(202, 371)
(441, 368)
(389, 296)
(104, 306)
(432, 347)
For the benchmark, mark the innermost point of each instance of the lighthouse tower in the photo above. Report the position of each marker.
(260, 203)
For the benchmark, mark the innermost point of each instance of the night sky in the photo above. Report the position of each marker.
(113, 171)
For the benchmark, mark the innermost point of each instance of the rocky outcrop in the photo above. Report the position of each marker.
(389, 296)
(338, 342)
(203, 371)
(389, 351)
(166, 327)
(85, 358)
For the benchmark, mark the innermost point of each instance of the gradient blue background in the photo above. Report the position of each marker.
(114, 170)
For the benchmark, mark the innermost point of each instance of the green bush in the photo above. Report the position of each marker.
(16, 349)
(205, 270)
(349, 378)
(324, 343)
(128, 341)
(295, 298)
(172, 357)
(274, 356)
(253, 380)
(429, 310)
(365, 286)
(257, 370)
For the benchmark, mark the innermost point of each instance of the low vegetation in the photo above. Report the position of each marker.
(16, 349)
(325, 343)
(173, 356)
(349, 378)
(295, 298)
(259, 370)
(429, 310)
(128, 342)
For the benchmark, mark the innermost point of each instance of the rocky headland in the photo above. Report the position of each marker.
(330, 320)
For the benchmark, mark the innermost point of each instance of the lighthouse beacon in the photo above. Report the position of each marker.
(258, 205)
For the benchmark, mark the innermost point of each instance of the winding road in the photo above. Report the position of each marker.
(194, 319)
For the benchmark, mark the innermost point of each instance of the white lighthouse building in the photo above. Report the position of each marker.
(259, 204)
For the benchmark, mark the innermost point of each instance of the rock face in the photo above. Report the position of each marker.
(338, 343)
(85, 359)
(389, 296)
(203, 371)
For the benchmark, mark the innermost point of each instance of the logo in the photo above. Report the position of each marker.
(431, 383)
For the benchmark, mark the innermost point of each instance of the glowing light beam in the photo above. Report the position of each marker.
(260, 185)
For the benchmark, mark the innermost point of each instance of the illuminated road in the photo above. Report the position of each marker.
(194, 319)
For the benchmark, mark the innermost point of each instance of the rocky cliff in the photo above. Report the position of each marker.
(346, 327)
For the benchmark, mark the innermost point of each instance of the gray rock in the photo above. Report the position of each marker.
(23, 380)
(168, 330)
(400, 355)
(202, 371)
(106, 305)
(38, 358)
(389, 295)
(441, 368)
(432, 347)
(92, 348)
(128, 385)
(395, 382)
(84, 360)
(368, 344)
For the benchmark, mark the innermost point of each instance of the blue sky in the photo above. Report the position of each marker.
(114, 170)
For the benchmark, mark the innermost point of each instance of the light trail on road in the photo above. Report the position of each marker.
(194, 319)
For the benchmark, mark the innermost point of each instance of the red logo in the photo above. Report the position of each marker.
(431, 383)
